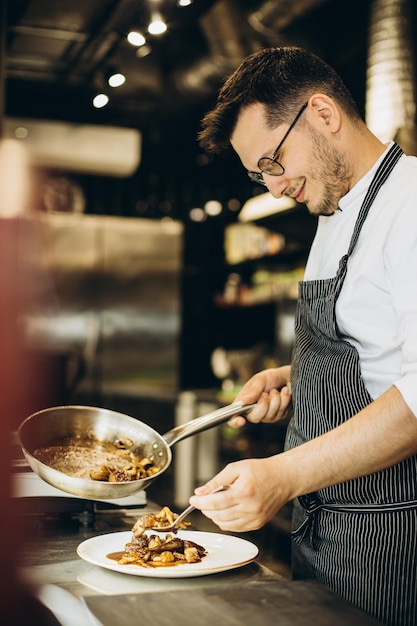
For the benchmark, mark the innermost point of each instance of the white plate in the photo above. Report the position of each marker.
(224, 552)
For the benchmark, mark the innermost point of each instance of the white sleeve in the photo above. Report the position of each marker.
(403, 264)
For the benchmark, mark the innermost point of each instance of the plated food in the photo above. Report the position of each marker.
(158, 521)
(224, 552)
(154, 550)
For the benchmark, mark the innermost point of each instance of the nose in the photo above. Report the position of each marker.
(276, 185)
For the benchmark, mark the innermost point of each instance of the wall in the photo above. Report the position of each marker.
(107, 298)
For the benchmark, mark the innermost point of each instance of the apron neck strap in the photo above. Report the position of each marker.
(384, 170)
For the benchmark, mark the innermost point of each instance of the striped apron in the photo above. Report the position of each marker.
(358, 538)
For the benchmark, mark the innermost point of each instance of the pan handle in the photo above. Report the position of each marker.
(199, 424)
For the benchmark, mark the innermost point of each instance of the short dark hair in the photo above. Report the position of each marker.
(281, 79)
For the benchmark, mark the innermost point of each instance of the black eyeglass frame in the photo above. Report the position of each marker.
(257, 176)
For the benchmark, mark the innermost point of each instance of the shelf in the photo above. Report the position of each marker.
(293, 253)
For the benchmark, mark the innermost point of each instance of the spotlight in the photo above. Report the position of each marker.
(157, 27)
(100, 100)
(136, 39)
(116, 79)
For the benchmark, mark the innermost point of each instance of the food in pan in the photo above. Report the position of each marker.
(135, 469)
(107, 461)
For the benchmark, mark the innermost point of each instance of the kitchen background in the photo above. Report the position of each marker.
(161, 278)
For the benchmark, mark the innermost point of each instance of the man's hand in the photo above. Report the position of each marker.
(271, 391)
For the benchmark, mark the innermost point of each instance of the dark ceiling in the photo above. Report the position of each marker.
(57, 53)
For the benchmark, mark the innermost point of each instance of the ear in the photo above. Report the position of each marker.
(325, 111)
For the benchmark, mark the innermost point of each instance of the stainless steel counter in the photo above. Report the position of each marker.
(79, 593)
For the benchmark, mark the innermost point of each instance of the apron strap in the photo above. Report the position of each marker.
(310, 503)
(311, 506)
(381, 175)
(384, 170)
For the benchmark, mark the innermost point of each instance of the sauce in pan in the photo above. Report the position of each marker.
(96, 460)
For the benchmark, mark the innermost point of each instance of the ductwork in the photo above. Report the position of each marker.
(391, 98)
(275, 15)
(231, 36)
(229, 41)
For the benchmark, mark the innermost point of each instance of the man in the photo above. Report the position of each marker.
(349, 463)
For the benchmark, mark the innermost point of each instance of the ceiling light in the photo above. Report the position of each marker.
(100, 100)
(117, 79)
(157, 27)
(184, 3)
(136, 39)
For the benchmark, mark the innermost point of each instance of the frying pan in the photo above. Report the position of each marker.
(72, 424)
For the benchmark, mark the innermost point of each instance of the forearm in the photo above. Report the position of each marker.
(381, 435)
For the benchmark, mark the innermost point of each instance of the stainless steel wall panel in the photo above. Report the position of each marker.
(109, 291)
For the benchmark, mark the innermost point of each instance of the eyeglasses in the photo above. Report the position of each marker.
(269, 165)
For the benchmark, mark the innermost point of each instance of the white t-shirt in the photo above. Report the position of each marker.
(377, 307)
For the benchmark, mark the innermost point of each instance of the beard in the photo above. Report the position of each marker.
(331, 169)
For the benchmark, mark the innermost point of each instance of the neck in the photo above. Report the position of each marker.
(365, 152)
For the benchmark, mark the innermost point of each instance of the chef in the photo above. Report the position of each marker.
(350, 463)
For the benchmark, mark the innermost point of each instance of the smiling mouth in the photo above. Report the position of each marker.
(298, 195)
